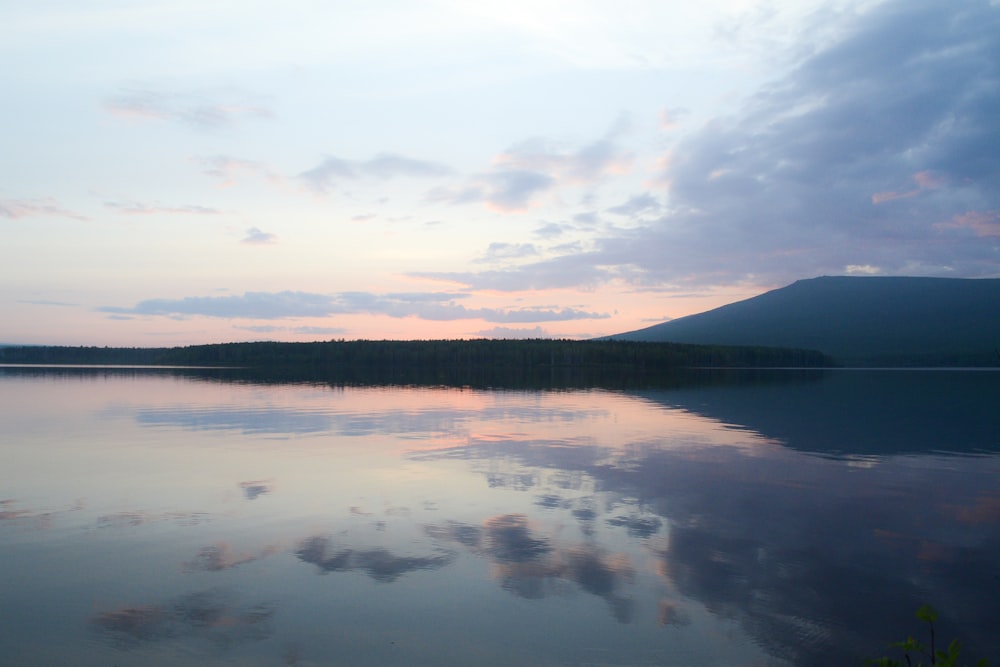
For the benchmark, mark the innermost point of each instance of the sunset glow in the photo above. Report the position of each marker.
(182, 172)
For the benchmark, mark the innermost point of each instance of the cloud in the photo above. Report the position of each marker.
(503, 190)
(925, 180)
(139, 208)
(531, 168)
(641, 203)
(505, 251)
(436, 306)
(878, 149)
(228, 170)
(323, 177)
(585, 166)
(575, 269)
(862, 270)
(256, 237)
(551, 230)
(806, 179)
(15, 209)
(253, 305)
(205, 111)
(303, 330)
(670, 119)
(318, 331)
(980, 223)
(43, 302)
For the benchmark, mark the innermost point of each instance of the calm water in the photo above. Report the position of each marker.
(149, 518)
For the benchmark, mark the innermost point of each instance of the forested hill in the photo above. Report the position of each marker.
(863, 321)
(338, 356)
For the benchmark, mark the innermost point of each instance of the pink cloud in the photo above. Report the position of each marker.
(982, 223)
(882, 197)
(16, 209)
(228, 169)
(925, 180)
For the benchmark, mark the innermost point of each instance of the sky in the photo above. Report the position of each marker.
(181, 172)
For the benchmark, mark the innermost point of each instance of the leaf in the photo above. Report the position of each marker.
(927, 613)
(910, 644)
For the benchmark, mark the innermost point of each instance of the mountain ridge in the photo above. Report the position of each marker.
(863, 321)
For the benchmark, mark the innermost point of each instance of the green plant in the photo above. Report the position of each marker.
(913, 649)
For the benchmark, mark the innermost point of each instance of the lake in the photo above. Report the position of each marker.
(155, 517)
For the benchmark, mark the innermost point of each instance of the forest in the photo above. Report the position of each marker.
(474, 363)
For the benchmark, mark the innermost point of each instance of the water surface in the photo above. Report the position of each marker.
(159, 518)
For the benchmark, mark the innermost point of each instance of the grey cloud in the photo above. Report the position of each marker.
(789, 187)
(879, 149)
(257, 237)
(531, 168)
(512, 190)
(641, 203)
(589, 219)
(388, 165)
(324, 176)
(306, 330)
(319, 331)
(551, 230)
(206, 110)
(584, 166)
(572, 270)
(256, 305)
(261, 328)
(277, 305)
(424, 297)
(504, 251)
(508, 190)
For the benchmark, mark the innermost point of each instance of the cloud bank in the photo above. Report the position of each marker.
(437, 306)
(878, 149)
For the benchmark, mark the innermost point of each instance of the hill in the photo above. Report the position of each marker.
(862, 321)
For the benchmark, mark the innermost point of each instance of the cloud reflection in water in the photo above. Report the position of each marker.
(378, 563)
(530, 566)
(210, 616)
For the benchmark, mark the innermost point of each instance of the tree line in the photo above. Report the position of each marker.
(333, 356)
